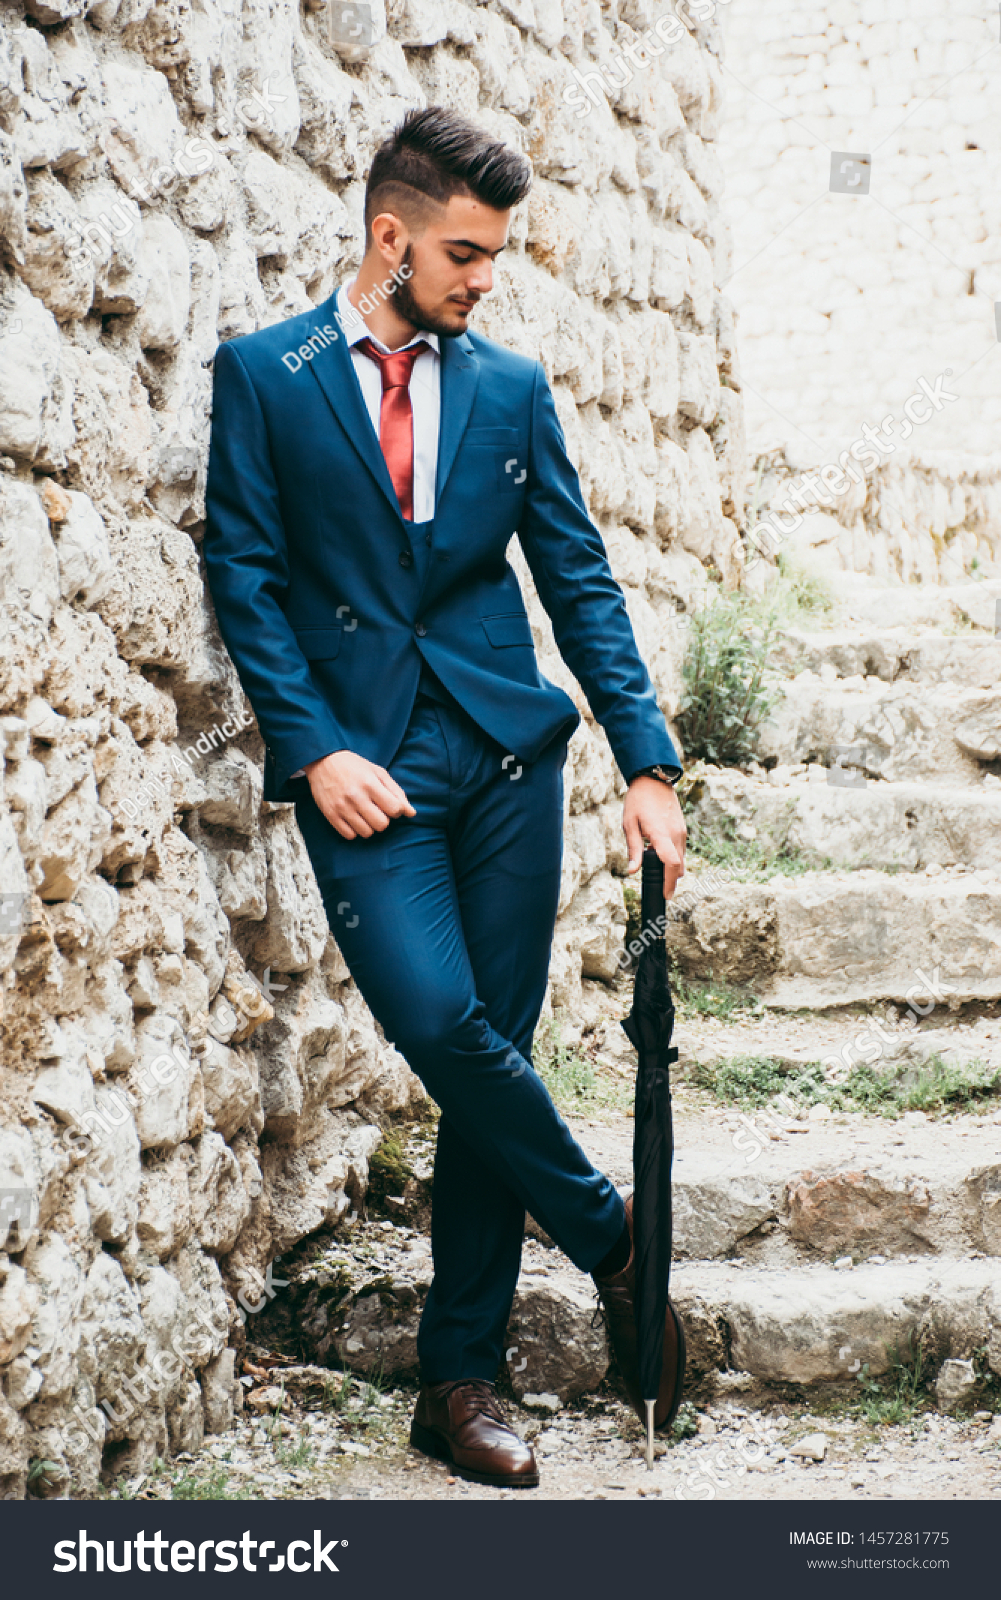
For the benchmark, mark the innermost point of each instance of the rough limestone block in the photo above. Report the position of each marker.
(554, 1344)
(35, 418)
(217, 1383)
(28, 562)
(710, 1218)
(59, 1282)
(114, 1168)
(86, 569)
(220, 1204)
(841, 1210)
(294, 932)
(598, 912)
(18, 1302)
(186, 1419)
(162, 1081)
(164, 1219)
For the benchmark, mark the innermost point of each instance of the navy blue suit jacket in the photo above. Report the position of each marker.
(316, 589)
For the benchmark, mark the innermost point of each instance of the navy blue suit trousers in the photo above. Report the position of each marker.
(446, 921)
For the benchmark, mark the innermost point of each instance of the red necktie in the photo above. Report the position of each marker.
(396, 419)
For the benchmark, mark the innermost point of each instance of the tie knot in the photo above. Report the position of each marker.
(396, 365)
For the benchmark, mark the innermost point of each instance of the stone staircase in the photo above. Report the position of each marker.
(812, 1243)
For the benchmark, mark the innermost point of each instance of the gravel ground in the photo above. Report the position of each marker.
(358, 1449)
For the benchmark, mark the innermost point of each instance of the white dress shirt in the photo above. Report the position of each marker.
(425, 401)
(425, 397)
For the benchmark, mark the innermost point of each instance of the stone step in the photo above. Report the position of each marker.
(816, 1325)
(851, 820)
(823, 1324)
(939, 733)
(968, 604)
(840, 938)
(781, 1189)
(919, 656)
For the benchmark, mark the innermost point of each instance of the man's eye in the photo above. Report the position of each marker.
(460, 261)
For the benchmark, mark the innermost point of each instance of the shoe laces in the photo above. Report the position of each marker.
(483, 1398)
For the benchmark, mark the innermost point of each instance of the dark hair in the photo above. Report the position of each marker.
(437, 153)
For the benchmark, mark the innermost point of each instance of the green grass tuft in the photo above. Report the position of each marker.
(756, 1081)
(571, 1077)
(729, 685)
(715, 998)
(213, 1486)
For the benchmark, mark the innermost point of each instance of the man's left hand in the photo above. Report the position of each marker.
(652, 812)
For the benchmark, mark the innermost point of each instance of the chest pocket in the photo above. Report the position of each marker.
(510, 461)
(476, 437)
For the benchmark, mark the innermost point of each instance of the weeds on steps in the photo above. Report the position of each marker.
(730, 684)
(937, 1085)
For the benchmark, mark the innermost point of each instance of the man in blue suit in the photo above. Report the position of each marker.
(370, 462)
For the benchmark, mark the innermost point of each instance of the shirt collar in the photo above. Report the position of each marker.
(355, 328)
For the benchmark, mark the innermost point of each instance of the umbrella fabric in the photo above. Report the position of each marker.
(649, 1027)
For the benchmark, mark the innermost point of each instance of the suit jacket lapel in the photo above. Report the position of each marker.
(460, 373)
(334, 372)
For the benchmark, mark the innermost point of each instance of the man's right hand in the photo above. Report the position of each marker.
(356, 797)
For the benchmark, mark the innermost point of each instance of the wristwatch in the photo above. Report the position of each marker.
(669, 778)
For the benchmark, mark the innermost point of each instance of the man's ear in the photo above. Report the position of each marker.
(390, 236)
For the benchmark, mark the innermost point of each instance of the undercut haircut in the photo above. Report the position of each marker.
(435, 154)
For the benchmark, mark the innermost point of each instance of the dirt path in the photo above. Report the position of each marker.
(358, 1448)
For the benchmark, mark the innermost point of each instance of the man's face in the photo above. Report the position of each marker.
(452, 265)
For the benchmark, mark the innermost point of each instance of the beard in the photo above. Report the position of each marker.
(410, 307)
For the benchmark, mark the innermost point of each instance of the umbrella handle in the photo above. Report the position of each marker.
(653, 906)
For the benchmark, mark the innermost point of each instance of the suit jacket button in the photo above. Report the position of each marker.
(406, 559)
(420, 630)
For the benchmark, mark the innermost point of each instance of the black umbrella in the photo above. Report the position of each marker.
(649, 1027)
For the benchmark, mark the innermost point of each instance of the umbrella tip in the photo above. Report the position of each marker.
(651, 1406)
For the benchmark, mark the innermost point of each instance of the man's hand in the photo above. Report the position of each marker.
(356, 797)
(652, 811)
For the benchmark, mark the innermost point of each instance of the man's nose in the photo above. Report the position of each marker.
(481, 279)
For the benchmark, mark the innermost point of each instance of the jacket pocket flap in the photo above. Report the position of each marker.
(512, 627)
(319, 644)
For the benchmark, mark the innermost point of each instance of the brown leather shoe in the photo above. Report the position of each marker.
(462, 1423)
(618, 1299)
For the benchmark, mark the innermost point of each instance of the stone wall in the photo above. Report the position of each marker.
(190, 1082)
(910, 519)
(848, 298)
